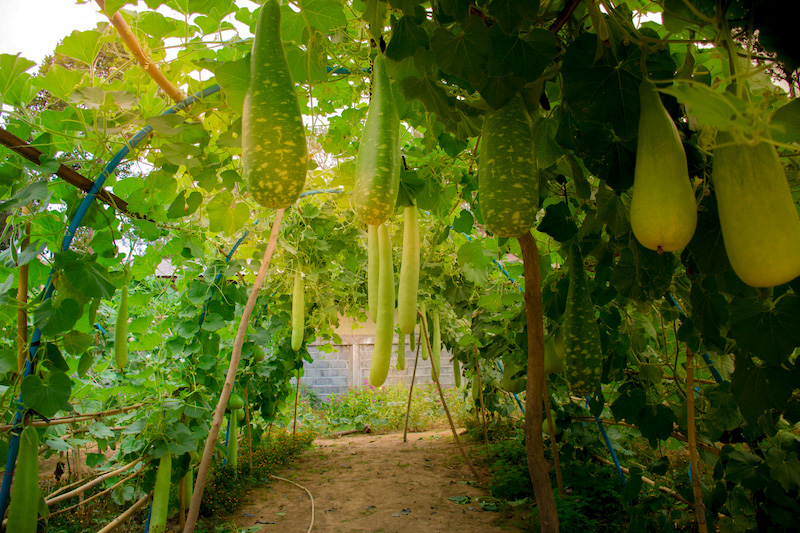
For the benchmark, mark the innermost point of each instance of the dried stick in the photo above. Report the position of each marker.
(551, 427)
(411, 390)
(22, 301)
(114, 524)
(208, 451)
(435, 376)
(480, 397)
(53, 499)
(538, 468)
(694, 457)
(136, 49)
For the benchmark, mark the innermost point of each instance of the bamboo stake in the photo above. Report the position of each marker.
(538, 468)
(648, 481)
(435, 376)
(78, 418)
(208, 451)
(480, 397)
(553, 443)
(411, 390)
(22, 301)
(114, 524)
(53, 499)
(694, 457)
(92, 497)
(135, 48)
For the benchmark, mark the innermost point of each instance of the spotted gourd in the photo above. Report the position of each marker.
(583, 357)
(23, 510)
(274, 149)
(377, 174)
(508, 180)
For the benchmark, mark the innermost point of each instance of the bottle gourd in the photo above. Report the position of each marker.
(384, 327)
(663, 208)
(274, 149)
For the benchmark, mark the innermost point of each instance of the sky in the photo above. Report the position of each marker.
(34, 27)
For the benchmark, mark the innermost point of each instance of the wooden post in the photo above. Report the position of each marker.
(411, 391)
(534, 444)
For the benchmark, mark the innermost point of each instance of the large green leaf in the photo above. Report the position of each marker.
(47, 396)
(13, 77)
(771, 334)
(760, 388)
(465, 54)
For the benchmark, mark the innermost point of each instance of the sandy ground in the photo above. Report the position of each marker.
(375, 483)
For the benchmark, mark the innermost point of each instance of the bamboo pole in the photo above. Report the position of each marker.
(411, 390)
(78, 418)
(135, 48)
(666, 490)
(435, 376)
(553, 443)
(92, 497)
(208, 451)
(538, 468)
(694, 457)
(114, 524)
(53, 499)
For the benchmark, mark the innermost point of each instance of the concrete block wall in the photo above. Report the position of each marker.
(348, 365)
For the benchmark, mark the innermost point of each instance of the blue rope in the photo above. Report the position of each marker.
(80, 213)
(227, 436)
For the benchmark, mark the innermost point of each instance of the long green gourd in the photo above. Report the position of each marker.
(508, 180)
(583, 357)
(409, 272)
(384, 327)
(23, 510)
(298, 311)
(158, 511)
(423, 331)
(377, 174)
(401, 351)
(274, 150)
(372, 271)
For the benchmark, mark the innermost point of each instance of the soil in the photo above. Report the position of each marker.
(372, 483)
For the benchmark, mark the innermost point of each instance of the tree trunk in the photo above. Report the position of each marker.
(538, 468)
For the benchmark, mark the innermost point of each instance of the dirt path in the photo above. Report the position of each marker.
(371, 483)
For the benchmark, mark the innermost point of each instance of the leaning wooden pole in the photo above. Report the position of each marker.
(480, 397)
(296, 401)
(694, 457)
(132, 43)
(538, 468)
(411, 391)
(435, 376)
(219, 413)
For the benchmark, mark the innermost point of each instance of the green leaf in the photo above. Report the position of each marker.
(82, 45)
(60, 81)
(33, 192)
(85, 363)
(51, 353)
(548, 151)
(656, 423)
(46, 397)
(112, 6)
(167, 124)
(324, 15)
(769, 334)
(760, 388)
(711, 108)
(234, 77)
(464, 222)
(558, 223)
(629, 404)
(786, 123)
(52, 319)
(612, 211)
(226, 216)
(375, 17)
(707, 246)
(8, 360)
(784, 468)
(13, 77)
(464, 55)
(407, 36)
(100, 431)
(510, 14)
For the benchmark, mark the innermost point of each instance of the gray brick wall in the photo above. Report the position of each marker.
(348, 365)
